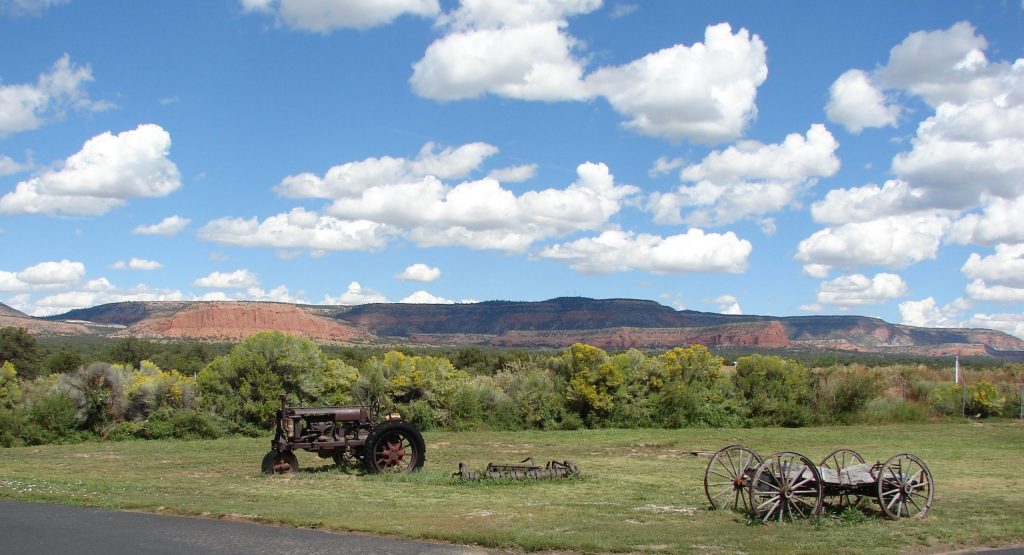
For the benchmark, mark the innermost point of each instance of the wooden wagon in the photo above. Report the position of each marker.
(787, 485)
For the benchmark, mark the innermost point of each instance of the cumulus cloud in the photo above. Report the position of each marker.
(324, 16)
(663, 166)
(1005, 266)
(355, 294)
(238, 279)
(514, 174)
(858, 289)
(1012, 324)
(44, 275)
(420, 272)
(9, 166)
(107, 171)
(999, 222)
(137, 264)
(28, 7)
(168, 227)
(896, 242)
(704, 92)
(927, 313)
(748, 178)
(300, 229)
(979, 290)
(866, 203)
(728, 304)
(972, 147)
(423, 297)
(619, 251)
(855, 103)
(24, 107)
(352, 178)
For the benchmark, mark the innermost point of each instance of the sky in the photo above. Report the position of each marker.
(772, 158)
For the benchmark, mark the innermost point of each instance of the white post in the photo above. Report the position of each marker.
(956, 375)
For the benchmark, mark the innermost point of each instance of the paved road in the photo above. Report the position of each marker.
(35, 528)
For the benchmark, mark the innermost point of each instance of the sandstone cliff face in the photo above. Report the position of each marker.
(557, 323)
(43, 327)
(769, 335)
(236, 321)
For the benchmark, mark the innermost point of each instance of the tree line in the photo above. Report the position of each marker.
(202, 394)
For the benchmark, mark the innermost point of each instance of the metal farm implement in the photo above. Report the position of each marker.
(523, 470)
(787, 485)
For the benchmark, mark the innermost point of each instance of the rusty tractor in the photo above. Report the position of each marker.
(348, 435)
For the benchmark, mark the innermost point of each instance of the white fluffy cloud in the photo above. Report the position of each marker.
(239, 279)
(108, 170)
(482, 214)
(856, 103)
(299, 229)
(420, 272)
(137, 264)
(618, 251)
(24, 107)
(352, 178)
(858, 289)
(1012, 324)
(999, 222)
(514, 174)
(867, 203)
(748, 178)
(424, 297)
(1005, 266)
(979, 290)
(355, 294)
(45, 275)
(512, 48)
(728, 304)
(168, 227)
(10, 166)
(377, 200)
(704, 92)
(896, 242)
(324, 16)
(927, 313)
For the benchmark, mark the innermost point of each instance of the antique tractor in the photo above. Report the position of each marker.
(346, 434)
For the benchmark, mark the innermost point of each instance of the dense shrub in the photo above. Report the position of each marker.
(774, 391)
(98, 392)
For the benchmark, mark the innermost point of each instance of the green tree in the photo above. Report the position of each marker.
(63, 362)
(593, 379)
(10, 391)
(131, 351)
(774, 391)
(246, 384)
(19, 347)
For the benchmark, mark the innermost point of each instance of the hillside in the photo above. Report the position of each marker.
(555, 323)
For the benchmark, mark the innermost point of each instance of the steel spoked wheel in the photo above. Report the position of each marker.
(905, 487)
(394, 447)
(837, 461)
(785, 485)
(280, 462)
(727, 476)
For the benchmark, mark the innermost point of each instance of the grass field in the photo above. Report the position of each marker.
(643, 490)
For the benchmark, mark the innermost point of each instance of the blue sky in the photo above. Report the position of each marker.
(743, 157)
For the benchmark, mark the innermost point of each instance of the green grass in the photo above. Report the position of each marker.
(643, 490)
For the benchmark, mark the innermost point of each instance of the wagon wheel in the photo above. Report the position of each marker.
(728, 475)
(838, 460)
(905, 487)
(394, 447)
(785, 485)
(280, 462)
